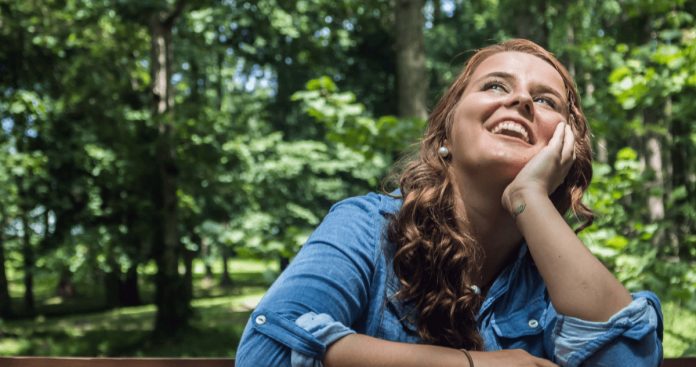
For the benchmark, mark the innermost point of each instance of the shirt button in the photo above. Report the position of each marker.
(533, 323)
(260, 320)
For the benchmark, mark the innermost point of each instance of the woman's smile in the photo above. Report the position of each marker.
(514, 128)
(507, 114)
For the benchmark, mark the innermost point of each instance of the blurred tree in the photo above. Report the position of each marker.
(8, 209)
(412, 77)
(173, 302)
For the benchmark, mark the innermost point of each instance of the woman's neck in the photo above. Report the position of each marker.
(480, 213)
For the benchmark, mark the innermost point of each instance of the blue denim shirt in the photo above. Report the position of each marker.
(342, 282)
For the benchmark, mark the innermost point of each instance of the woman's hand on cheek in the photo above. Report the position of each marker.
(545, 171)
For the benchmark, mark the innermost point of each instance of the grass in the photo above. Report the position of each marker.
(80, 327)
(220, 316)
(215, 332)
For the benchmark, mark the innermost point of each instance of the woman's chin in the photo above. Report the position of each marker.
(505, 172)
(497, 160)
(493, 172)
(501, 172)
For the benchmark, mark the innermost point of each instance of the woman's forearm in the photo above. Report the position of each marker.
(357, 350)
(579, 285)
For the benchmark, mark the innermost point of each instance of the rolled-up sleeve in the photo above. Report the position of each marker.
(320, 295)
(631, 337)
(324, 329)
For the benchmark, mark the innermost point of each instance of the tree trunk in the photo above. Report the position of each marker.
(653, 149)
(226, 279)
(5, 300)
(65, 288)
(656, 205)
(28, 254)
(284, 263)
(173, 310)
(654, 167)
(219, 84)
(601, 149)
(188, 273)
(527, 19)
(679, 152)
(437, 12)
(412, 77)
(600, 143)
(205, 256)
(129, 294)
(112, 283)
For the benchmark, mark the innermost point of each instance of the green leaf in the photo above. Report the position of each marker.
(627, 154)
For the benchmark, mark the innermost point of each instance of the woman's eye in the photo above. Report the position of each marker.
(495, 85)
(545, 100)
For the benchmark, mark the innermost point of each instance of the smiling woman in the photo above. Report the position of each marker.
(470, 262)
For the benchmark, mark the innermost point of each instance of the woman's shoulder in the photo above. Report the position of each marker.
(355, 225)
(372, 204)
(359, 220)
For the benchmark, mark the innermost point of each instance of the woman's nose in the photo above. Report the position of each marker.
(523, 103)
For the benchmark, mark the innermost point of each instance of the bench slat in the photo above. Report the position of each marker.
(114, 362)
(680, 362)
(182, 362)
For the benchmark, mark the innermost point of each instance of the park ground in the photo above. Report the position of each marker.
(75, 329)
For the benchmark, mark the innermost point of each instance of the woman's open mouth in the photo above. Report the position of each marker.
(512, 129)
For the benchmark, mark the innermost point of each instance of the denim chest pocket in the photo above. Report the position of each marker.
(398, 323)
(522, 328)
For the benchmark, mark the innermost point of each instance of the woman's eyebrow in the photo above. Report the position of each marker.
(541, 88)
(498, 74)
(546, 89)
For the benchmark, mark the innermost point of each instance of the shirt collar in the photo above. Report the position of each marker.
(406, 310)
(502, 283)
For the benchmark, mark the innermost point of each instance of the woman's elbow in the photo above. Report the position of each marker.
(258, 350)
(645, 352)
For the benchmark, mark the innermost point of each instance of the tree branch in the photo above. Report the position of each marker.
(170, 18)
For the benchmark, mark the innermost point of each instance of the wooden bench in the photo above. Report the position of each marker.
(184, 362)
(114, 362)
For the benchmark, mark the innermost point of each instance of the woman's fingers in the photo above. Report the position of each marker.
(568, 152)
(556, 142)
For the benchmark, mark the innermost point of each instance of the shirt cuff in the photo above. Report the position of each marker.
(325, 329)
(576, 339)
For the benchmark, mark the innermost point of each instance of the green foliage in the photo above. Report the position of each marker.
(348, 124)
(625, 241)
(282, 108)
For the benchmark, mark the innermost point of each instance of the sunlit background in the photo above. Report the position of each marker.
(161, 161)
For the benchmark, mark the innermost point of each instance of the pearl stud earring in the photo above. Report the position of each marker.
(443, 152)
(474, 288)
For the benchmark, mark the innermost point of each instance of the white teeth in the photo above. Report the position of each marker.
(511, 126)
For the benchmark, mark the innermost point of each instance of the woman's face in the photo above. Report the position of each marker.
(507, 114)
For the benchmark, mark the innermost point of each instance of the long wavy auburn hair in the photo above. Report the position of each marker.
(434, 261)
